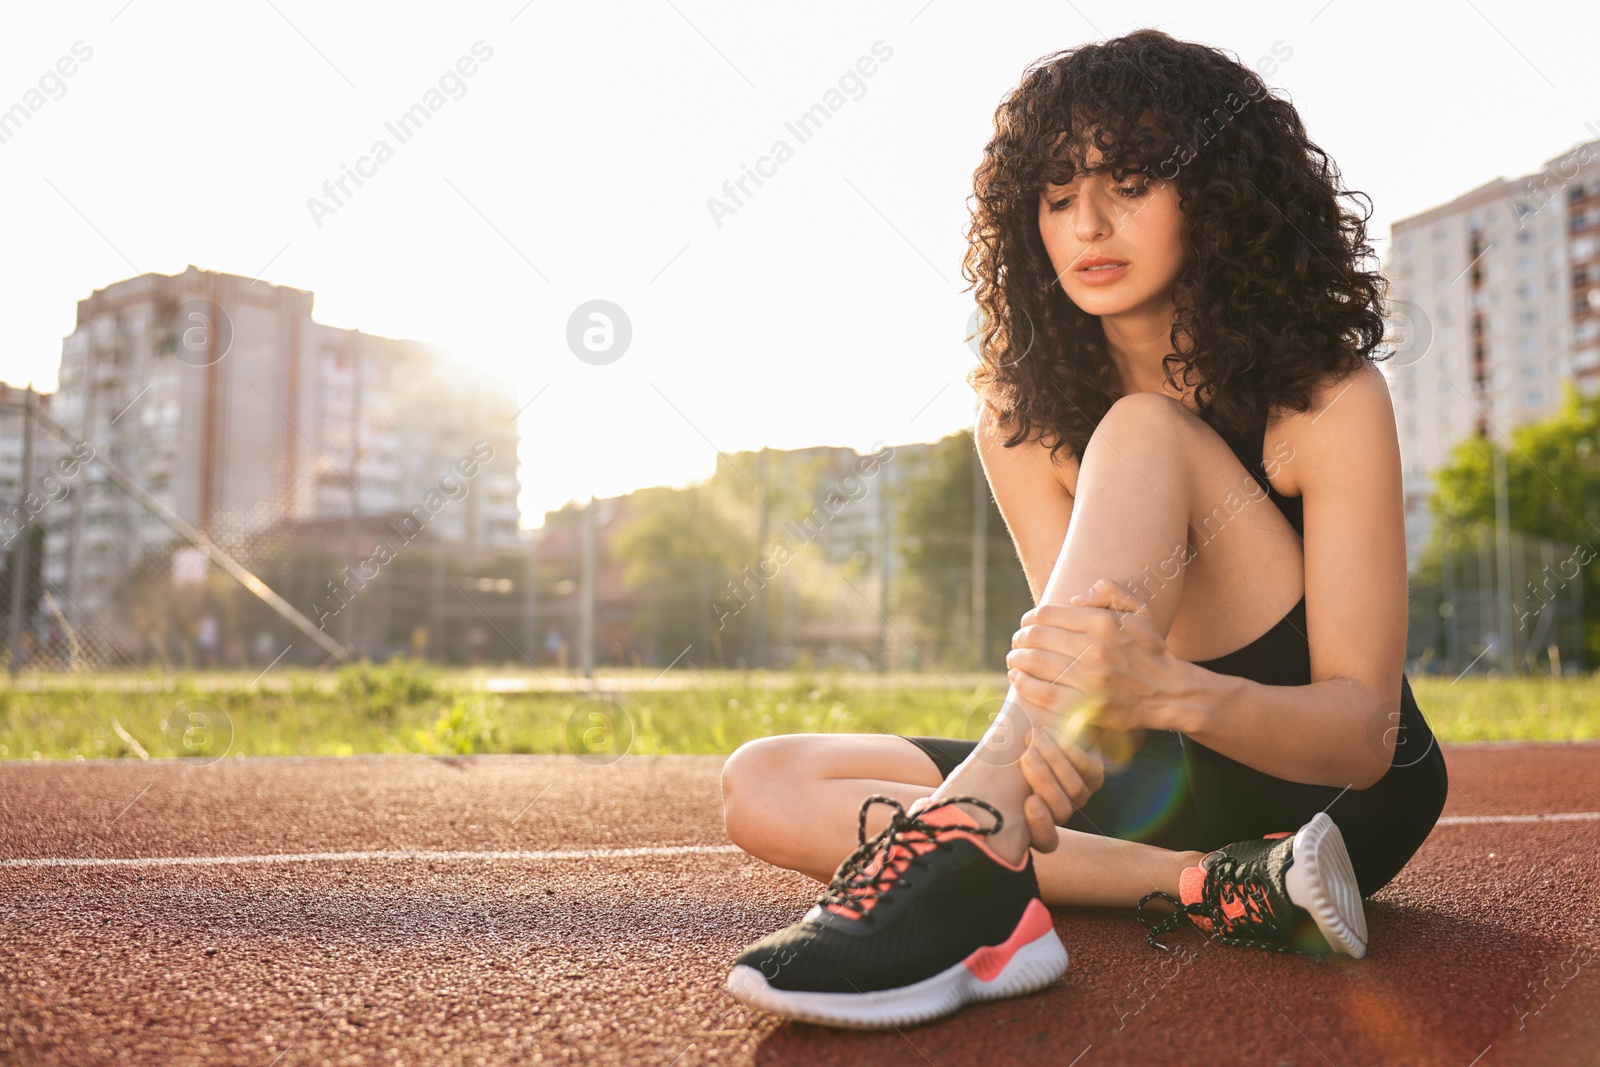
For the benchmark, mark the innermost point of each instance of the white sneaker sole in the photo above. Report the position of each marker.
(1323, 882)
(1032, 967)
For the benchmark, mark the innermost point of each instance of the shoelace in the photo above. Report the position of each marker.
(854, 886)
(1225, 882)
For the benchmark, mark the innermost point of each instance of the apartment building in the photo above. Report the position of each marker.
(223, 398)
(14, 516)
(1496, 302)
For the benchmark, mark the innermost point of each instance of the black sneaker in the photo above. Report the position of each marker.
(915, 923)
(1285, 893)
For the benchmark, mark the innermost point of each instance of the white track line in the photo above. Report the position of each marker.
(1490, 820)
(573, 854)
(361, 857)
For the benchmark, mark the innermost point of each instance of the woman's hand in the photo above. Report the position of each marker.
(1104, 645)
(1062, 776)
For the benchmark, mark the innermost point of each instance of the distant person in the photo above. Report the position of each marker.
(205, 637)
(1183, 425)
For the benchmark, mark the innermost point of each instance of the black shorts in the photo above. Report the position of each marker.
(1176, 793)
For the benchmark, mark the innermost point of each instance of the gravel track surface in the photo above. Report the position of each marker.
(543, 909)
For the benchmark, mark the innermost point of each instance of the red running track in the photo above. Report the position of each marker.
(495, 915)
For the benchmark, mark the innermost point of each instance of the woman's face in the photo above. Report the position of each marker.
(1135, 223)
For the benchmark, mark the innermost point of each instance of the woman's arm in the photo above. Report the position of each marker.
(1340, 729)
(1030, 492)
(1325, 733)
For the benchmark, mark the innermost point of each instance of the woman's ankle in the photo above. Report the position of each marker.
(990, 784)
(1012, 842)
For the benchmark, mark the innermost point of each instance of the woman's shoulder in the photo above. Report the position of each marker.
(991, 431)
(1345, 407)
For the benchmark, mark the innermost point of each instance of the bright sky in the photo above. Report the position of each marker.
(575, 164)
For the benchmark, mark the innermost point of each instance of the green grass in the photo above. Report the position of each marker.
(1538, 708)
(409, 708)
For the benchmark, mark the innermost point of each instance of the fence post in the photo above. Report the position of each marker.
(20, 562)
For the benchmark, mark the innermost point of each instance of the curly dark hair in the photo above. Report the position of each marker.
(1273, 295)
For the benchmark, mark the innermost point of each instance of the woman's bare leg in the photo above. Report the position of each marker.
(1152, 473)
(794, 801)
(1152, 476)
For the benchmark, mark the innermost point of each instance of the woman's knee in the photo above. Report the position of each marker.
(755, 761)
(1141, 422)
(748, 780)
(1147, 412)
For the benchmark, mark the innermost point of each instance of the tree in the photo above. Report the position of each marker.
(1552, 491)
(936, 530)
(681, 546)
(708, 575)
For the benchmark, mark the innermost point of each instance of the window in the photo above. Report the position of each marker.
(1531, 398)
(1525, 265)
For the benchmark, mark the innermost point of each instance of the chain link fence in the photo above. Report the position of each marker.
(820, 557)
(1508, 604)
(889, 560)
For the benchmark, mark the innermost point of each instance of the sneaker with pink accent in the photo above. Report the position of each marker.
(918, 921)
(1286, 892)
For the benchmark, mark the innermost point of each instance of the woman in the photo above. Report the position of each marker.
(1196, 457)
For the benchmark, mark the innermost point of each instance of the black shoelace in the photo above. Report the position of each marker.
(852, 886)
(1228, 880)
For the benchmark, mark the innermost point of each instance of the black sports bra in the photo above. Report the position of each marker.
(1282, 655)
(1249, 448)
